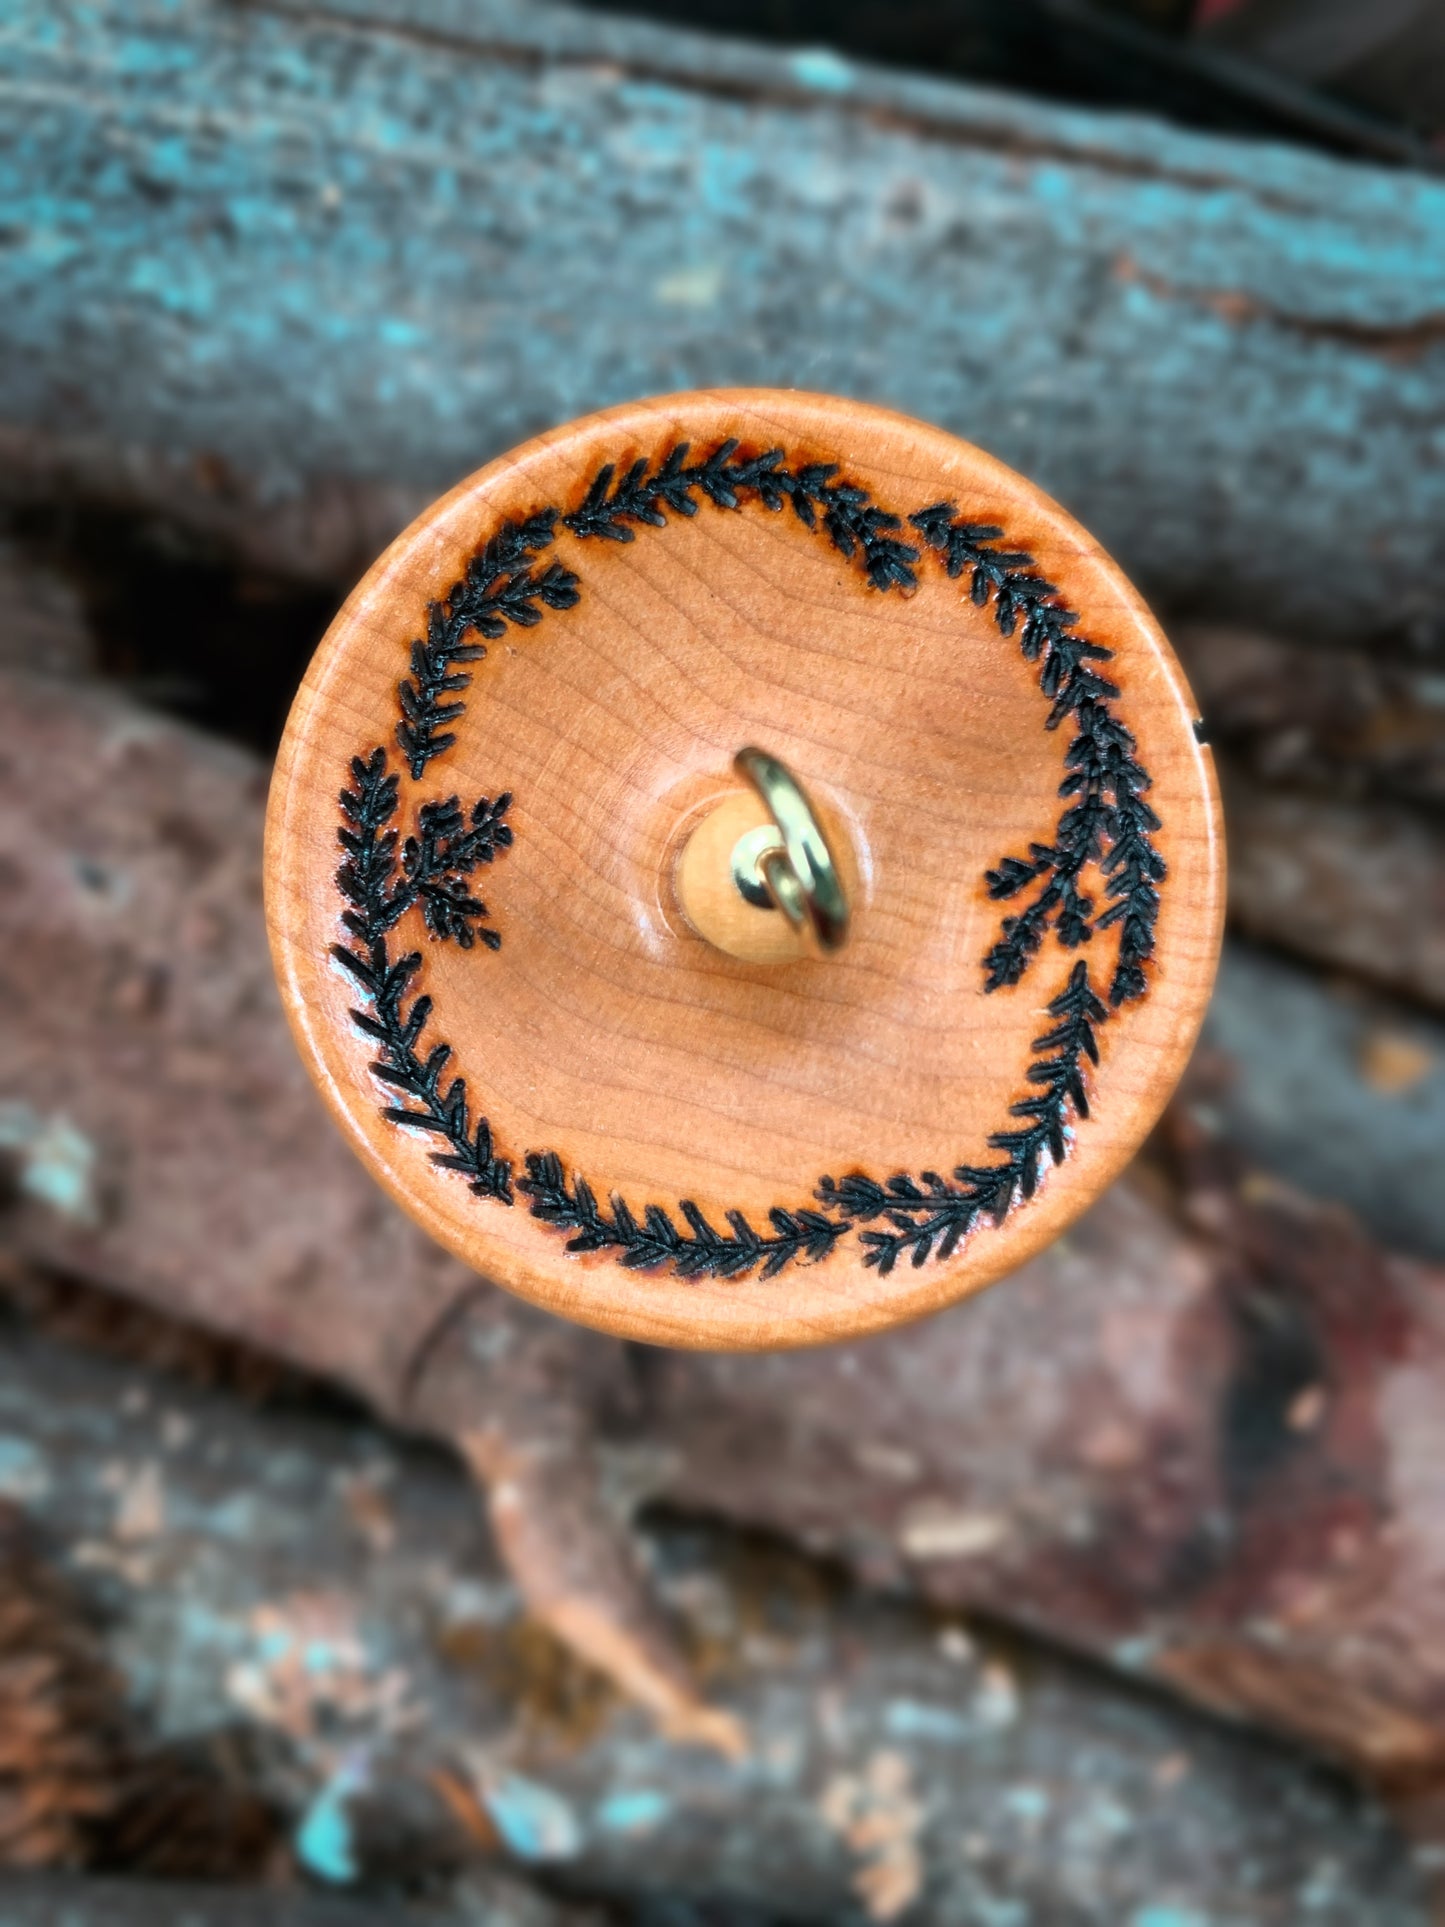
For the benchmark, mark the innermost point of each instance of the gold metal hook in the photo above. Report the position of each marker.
(788, 865)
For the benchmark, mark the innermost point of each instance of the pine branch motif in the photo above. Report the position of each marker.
(931, 1214)
(854, 525)
(500, 586)
(1108, 825)
(432, 865)
(655, 1242)
(445, 851)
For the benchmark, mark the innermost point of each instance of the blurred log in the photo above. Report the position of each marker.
(1333, 769)
(1346, 723)
(42, 624)
(51, 1902)
(1340, 1092)
(302, 1571)
(166, 1141)
(82, 1784)
(351, 249)
(1357, 887)
(60, 1717)
(1215, 1469)
(1212, 1472)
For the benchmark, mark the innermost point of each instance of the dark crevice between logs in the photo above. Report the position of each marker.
(1102, 53)
(181, 626)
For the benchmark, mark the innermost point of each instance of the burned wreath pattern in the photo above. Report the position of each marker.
(1107, 827)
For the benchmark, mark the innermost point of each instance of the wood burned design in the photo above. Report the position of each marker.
(1107, 826)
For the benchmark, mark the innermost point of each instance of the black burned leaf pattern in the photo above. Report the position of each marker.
(656, 1241)
(1108, 825)
(931, 1214)
(500, 586)
(855, 526)
(378, 899)
(441, 856)
(1108, 822)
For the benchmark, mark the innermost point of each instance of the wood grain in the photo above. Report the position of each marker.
(604, 1028)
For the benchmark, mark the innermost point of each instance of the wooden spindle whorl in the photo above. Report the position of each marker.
(519, 969)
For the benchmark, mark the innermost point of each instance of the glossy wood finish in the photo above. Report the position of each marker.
(605, 1028)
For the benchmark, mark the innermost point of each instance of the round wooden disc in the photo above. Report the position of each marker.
(571, 1088)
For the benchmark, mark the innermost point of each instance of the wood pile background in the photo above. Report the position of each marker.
(935, 1628)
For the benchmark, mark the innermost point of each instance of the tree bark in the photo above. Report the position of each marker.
(1347, 724)
(1339, 1092)
(303, 1575)
(1215, 1472)
(283, 272)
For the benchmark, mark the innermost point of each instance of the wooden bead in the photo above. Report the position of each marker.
(516, 965)
(710, 899)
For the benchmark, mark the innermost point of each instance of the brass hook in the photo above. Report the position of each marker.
(787, 865)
